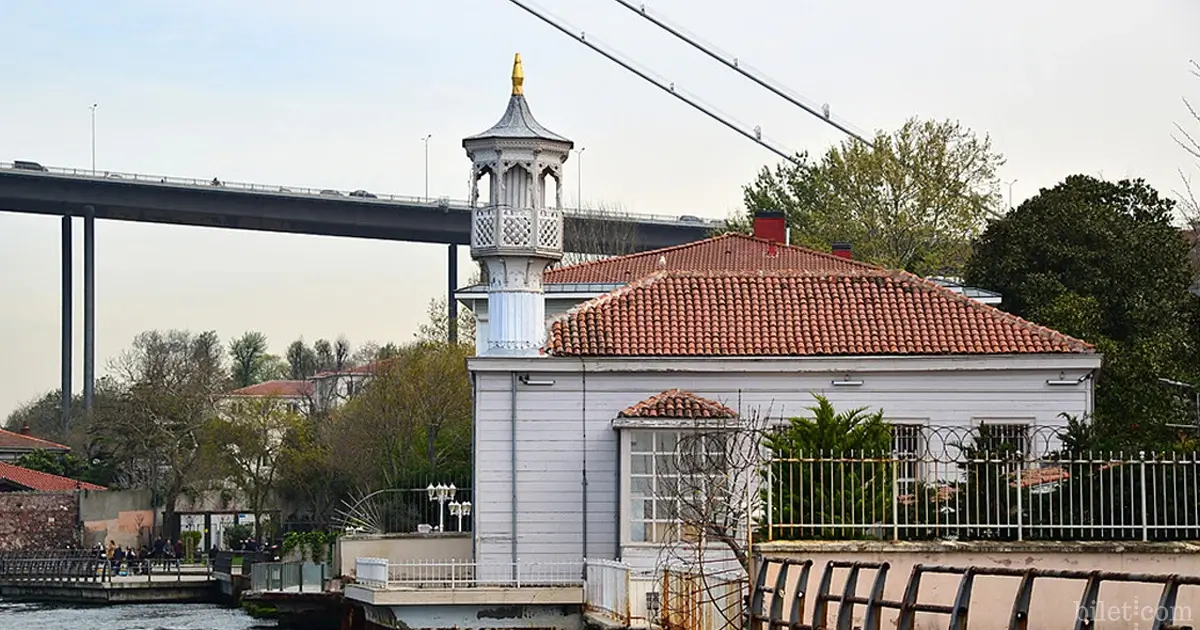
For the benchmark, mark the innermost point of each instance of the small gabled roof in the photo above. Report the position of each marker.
(677, 404)
(37, 481)
(18, 441)
(727, 252)
(863, 312)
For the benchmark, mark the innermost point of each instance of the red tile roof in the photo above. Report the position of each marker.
(13, 440)
(867, 311)
(727, 252)
(676, 403)
(40, 481)
(284, 389)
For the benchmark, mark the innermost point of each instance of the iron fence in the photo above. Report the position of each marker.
(75, 565)
(407, 510)
(978, 485)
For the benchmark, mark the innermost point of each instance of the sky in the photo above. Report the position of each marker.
(340, 95)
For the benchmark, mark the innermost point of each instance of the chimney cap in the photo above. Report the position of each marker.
(841, 246)
(25, 430)
(769, 214)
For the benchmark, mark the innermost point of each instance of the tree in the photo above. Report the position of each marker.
(248, 439)
(308, 475)
(169, 381)
(411, 421)
(1190, 204)
(251, 362)
(913, 201)
(604, 228)
(434, 330)
(67, 465)
(370, 352)
(302, 360)
(1102, 261)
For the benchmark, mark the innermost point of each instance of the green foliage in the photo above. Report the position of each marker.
(252, 363)
(191, 540)
(832, 495)
(68, 465)
(233, 535)
(313, 546)
(1102, 261)
(912, 202)
(436, 327)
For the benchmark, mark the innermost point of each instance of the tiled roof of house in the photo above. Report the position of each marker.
(284, 389)
(14, 440)
(676, 403)
(727, 252)
(40, 481)
(867, 311)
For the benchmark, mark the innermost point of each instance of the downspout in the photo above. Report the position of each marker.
(583, 430)
(512, 451)
(474, 460)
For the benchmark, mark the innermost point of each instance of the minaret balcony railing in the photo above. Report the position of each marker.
(511, 230)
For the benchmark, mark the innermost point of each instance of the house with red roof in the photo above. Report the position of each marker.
(14, 478)
(14, 445)
(323, 391)
(578, 421)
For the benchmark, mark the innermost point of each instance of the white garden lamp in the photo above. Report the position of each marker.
(442, 494)
(461, 510)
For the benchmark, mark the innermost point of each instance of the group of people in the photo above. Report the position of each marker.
(128, 561)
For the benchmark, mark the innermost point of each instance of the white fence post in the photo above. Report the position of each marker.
(1145, 512)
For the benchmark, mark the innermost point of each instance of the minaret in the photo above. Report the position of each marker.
(516, 232)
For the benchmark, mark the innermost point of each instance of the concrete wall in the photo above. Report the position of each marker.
(122, 516)
(568, 419)
(449, 547)
(38, 520)
(1055, 602)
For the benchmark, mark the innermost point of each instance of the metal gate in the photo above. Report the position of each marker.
(785, 611)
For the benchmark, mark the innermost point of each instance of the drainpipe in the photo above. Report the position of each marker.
(474, 464)
(512, 451)
(583, 430)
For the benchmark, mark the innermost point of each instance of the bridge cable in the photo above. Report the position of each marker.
(755, 134)
(734, 64)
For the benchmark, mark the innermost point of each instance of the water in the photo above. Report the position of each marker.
(19, 616)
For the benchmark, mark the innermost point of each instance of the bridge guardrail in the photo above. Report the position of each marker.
(304, 191)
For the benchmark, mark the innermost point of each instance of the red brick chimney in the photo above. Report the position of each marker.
(842, 250)
(771, 226)
(25, 429)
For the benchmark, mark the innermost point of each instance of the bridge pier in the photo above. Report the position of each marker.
(89, 308)
(451, 285)
(65, 400)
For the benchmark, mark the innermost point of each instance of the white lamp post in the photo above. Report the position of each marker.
(460, 510)
(442, 494)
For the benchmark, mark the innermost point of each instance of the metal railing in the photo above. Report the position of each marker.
(81, 565)
(304, 191)
(684, 599)
(462, 574)
(781, 592)
(288, 577)
(953, 487)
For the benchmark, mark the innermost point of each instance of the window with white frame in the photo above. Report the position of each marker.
(1002, 440)
(676, 483)
(907, 443)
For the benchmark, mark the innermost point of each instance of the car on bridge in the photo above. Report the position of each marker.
(26, 165)
(331, 193)
(363, 194)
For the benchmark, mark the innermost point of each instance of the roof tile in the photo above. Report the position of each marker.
(864, 311)
(284, 389)
(40, 481)
(14, 440)
(727, 252)
(676, 403)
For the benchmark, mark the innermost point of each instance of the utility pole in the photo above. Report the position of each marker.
(426, 141)
(93, 108)
(1010, 185)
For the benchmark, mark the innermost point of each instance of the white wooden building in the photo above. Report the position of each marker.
(752, 324)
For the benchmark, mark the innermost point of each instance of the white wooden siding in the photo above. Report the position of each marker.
(551, 419)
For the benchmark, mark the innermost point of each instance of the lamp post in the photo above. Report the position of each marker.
(461, 510)
(1010, 185)
(442, 494)
(579, 178)
(426, 141)
(93, 108)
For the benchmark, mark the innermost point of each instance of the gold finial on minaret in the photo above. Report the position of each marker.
(518, 76)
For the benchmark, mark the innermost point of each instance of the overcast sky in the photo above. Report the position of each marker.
(339, 95)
